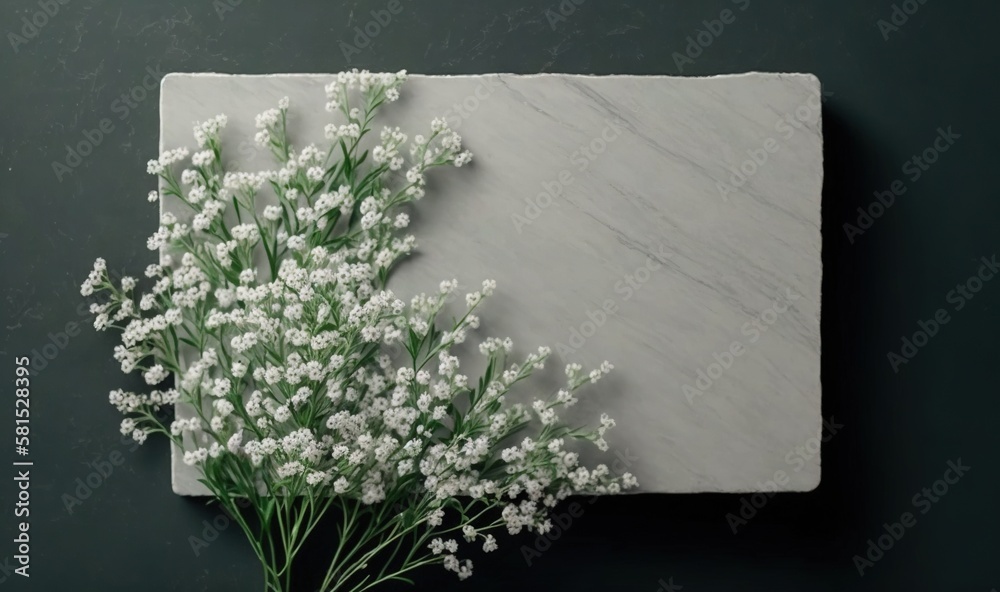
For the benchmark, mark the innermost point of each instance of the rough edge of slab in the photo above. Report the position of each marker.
(812, 79)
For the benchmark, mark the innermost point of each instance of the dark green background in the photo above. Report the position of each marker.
(889, 96)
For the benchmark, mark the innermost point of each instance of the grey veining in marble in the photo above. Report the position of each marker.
(670, 225)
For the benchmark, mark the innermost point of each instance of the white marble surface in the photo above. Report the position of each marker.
(616, 193)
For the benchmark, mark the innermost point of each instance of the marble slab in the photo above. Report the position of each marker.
(668, 224)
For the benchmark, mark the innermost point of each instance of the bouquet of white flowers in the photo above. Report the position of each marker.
(269, 305)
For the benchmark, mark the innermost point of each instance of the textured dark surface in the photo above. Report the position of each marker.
(887, 98)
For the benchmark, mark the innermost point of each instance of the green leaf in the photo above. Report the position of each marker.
(414, 344)
(347, 158)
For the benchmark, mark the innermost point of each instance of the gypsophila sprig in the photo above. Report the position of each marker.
(295, 404)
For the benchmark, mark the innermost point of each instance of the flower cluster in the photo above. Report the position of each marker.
(304, 377)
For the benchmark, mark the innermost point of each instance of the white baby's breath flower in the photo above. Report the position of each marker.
(272, 212)
(315, 174)
(312, 380)
(203, 158)
(155, 375)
